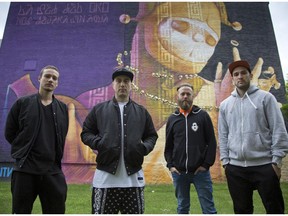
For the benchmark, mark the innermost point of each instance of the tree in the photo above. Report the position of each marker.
(284, 107)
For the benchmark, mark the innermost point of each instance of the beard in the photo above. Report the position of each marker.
(185, 105)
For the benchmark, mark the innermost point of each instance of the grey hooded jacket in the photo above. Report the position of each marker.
(251, 129)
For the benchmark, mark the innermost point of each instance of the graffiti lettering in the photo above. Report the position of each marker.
(49, 14)
(99, 7)
(45, 20)
(5, 171)
(25, 10)
(23, 20)
(46, 9)
(72, 8)
(78, 19)
(97, 19)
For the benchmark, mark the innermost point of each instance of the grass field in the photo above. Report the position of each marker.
(159, 199)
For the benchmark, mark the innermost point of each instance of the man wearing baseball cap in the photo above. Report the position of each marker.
(122, 132)
(253, 140)
(240, 63)
(122, 71)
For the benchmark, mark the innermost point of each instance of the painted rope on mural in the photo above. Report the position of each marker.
(163, 43)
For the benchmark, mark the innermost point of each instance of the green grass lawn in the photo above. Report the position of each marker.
(159, 199)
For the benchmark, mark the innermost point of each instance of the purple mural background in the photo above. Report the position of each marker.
(84, 40)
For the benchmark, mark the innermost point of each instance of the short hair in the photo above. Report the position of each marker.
(48, 67)
(185, 85)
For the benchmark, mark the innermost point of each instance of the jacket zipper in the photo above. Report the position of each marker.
(186, 133)
(242, 133)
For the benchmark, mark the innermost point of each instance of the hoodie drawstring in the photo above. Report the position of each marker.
(251, 101)
(233, 104)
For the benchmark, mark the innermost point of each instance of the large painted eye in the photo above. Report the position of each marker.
(179, 25)
(198, 32)
(210, 40)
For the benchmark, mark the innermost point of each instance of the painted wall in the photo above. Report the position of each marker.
(163, 43)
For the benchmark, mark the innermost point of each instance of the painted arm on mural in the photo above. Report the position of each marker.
(90, 133)
(223, 88)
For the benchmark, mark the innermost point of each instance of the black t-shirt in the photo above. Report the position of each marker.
(41, 159)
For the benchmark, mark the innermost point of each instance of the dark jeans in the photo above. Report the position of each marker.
(52, 191)
(243, 180)
(203, 185)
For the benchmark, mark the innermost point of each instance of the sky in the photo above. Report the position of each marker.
(279, 15)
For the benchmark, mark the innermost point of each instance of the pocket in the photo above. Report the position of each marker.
(12, 181)
(274, 172)
(226, 169)
(202, 172)
(259, 148)
(100, 140)
(175, 175)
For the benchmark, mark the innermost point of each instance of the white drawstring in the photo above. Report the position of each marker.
(251, 101)
(233, 104)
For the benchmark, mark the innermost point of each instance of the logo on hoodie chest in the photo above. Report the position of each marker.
(194, 126)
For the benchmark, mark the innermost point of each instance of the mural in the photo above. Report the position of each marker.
(163, 43)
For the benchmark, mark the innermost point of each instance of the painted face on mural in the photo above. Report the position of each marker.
(185, 97)
(189, 37)
(190, 40)
(122, 87)
(49, 80)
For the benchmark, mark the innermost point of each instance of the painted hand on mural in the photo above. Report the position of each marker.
(265, 80)
(223, 88)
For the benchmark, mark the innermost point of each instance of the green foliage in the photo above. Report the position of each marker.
(159, 199)
(286, 88)
(284, 110)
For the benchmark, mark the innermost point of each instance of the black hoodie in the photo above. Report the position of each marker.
(190, 141)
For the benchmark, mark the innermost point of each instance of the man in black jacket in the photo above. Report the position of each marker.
(36, 128)
(122, 132)
(190, 150)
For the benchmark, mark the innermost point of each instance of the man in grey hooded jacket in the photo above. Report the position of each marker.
(253, 141)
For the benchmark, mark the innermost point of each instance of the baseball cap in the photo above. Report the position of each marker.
(122, 71)
(240, 63)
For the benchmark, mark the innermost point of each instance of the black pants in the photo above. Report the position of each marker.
(115, 200)
(243, 180)
(52, 191)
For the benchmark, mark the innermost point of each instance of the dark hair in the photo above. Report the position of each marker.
(185, 85)
(48, 67)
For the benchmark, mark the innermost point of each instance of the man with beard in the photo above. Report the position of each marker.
(253, 141)
(190, 151)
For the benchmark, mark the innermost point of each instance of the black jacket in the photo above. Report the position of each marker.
(190, 142)
(102, 132)
(23, 122)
